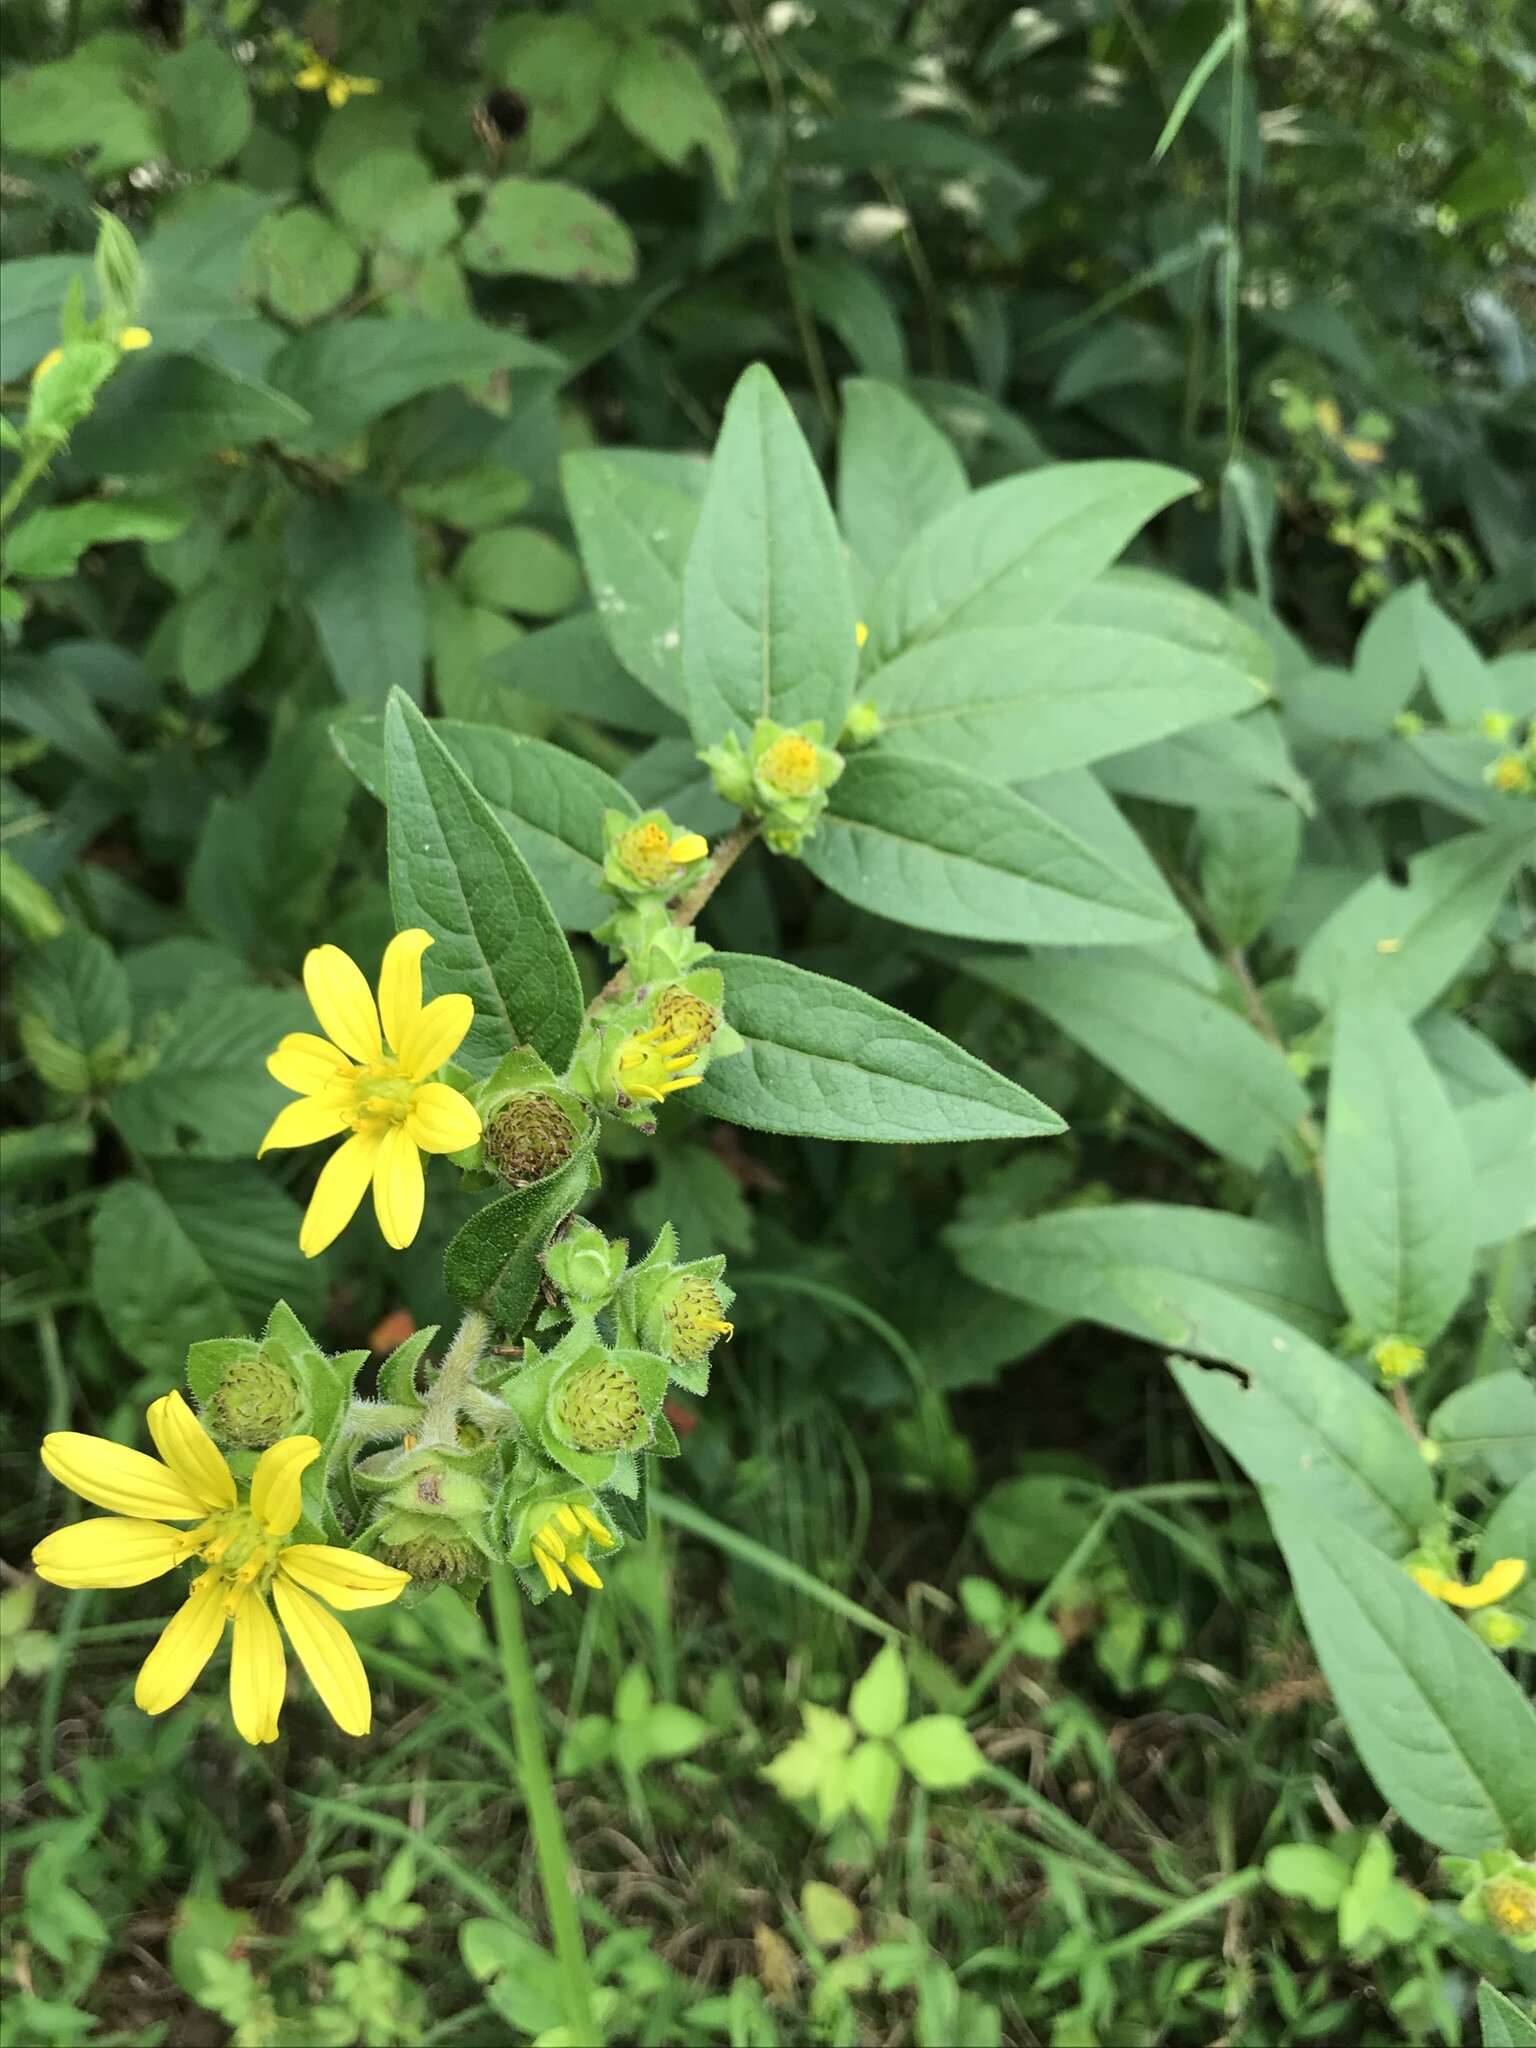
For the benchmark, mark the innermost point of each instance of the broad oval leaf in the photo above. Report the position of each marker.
(1397, 1192)
(550, 802)
(928, 845)
(1439, 1723)
(455, 871)
(1018, 551)
(823, 1060)
(1009, 703)
(768, 619)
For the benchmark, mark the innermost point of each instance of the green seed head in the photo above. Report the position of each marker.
(434, 1556)
(599, 1408)
(255, 1403)
(528, 1138)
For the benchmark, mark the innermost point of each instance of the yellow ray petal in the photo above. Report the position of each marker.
(307, 1064)
(107, 1550)
(327, 1654)
(343, 1002)
(276, 1490)
(436, 1035)
(258, 1671)
(343, 1577)
(1496, 1584)
(582, 1570)
(122, 1481)
(690, 847)
(342, 1184)
(440, 1119)
(190, 1451)
(399, 1188)
(186, 1643)
(312, 77)
(305, 1122)
(400, 984)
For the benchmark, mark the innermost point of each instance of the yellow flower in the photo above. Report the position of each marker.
(1394, 1357)
(558, 1548)
(338, 86)
(1508, 773)
(650, 1064)
(249, 1554)
(352, 1080)
(1496, 1584)
(791, 763)
(860, 634)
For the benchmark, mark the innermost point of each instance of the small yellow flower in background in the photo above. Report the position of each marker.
(860, 634)
(1509, 773)
(1396, 1359)
(338, 86)
(558, 1551)
(1328, 417)
(1366, 452)
(249, 1554)
(374, 1083)
(1496, 1584)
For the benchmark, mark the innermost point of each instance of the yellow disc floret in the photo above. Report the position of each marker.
(791, 765)
(686, 1018)
(1395, 1358)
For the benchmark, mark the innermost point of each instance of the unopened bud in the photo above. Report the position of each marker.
(694, 1318)
(599, 1408)
(685, 1019)
(527, 1138)
(254, 1404)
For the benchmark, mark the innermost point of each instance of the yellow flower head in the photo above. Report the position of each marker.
(654, 857)
(1511, 1905)
(1508, 773)
(1496, 1584)
(560, 1546)
(1394, 1357)
(248, 1553)
(650, 1064)
(338, 86)
(687, 1018)
(695, 1318)
(374, 1083)
(1496, 725)
(791, 764)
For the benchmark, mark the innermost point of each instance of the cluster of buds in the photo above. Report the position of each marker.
(656, 1044)
(781, 776)
(648, 863)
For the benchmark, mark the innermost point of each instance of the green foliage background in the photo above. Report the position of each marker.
(432, 377)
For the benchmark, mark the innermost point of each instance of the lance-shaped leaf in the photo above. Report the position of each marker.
(931, 846)
(1018, 551)
(1010, 704)
(768, 618)
(493, 1262)
(895, 472)
(823, 1060)
(1439, 1723)
(635, 515)
(455, 872)
(1397, 1208)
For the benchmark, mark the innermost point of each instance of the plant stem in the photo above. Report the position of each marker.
(440, 1410)
(31, 469)
(727, 852)
(543, 1813)
(1232, 262)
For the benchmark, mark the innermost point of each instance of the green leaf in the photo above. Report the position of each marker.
(846, 296)
(669, 1731)
(560, 66)
(1510, 1531)
(635, 528)
(208, 1094)
(1017, 552)
(1459, 679)
(1295, 1417)
(1030, 1526)
(162, 412)
(1305, 1870)
(768, 618)
(1136, 600)
(519, 569)
(1499, 1134)
(550, 802)
(1492, 1419)
(463, 640)
(97, 101)
(823, 1060)
(1501, 2022)
(1397, 1202)
(663, 99)
(1010, 705)
(1247, 859)
(205, 105)
(202, 1252)
(1192, 1057)
(830, 1915)
(1230, 765)
(73, 1012)
(352, 560)
(1149, 1268)
(455, 872)
(1441, 1726)
(878, 1701)
(928, 845)
(49, 543)
(1217, 48)
(1412, 941)
(307, 265)
(895, 472)
(347, 372)
(873, 1780)
(493, 1261)
(539, 227)
(939, 1752)
(223, 624)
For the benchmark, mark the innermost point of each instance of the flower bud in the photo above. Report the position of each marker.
(1396, 1359)
(528, 1138)
(1499, 1629)
(433, 1552)
(862, 724)
(585, 1267)
(255, 1403)
(599, 1408)
(686, 1019)
(693, 1317)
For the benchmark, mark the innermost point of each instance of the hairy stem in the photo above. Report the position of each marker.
(440, 1411)
(543, 1813)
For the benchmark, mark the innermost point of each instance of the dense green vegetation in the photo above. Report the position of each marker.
(915, 623)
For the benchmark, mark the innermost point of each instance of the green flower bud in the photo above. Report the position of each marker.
(694, 1318)
(433, 1552)
(649, 855)
(862, 724)
(254, 1404)
(586, 1267)
(1499, 1629)
(782, 777)
(528, 1138)
(599, 1408)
